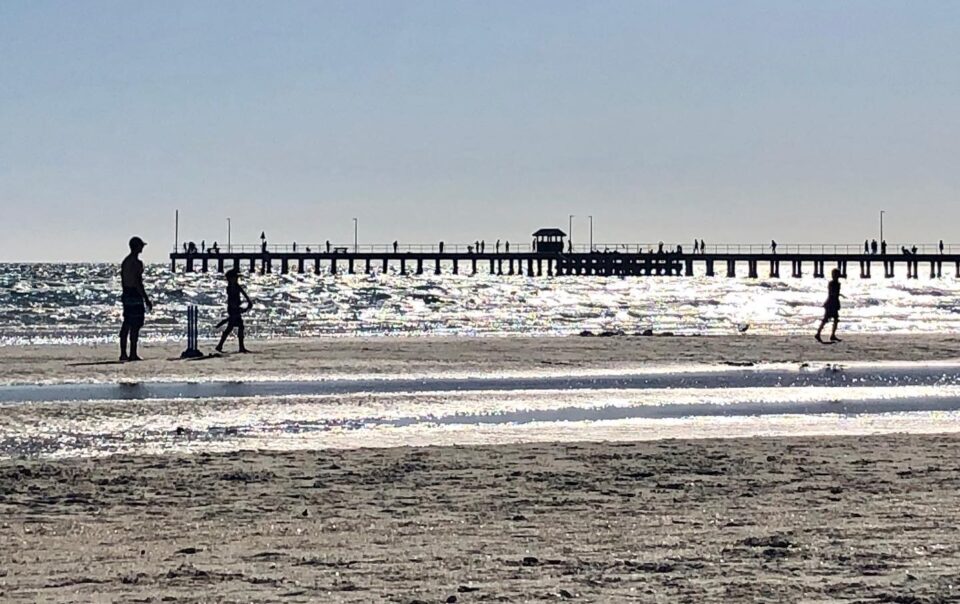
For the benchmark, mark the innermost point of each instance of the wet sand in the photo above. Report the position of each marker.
(865, 519)
(318, 358)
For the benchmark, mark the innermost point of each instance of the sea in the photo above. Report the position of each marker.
(42, 304)
(79, 303)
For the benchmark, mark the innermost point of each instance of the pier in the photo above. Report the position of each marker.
(578, 263)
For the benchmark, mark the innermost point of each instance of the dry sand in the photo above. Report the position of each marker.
(313, 358)
(866, 519)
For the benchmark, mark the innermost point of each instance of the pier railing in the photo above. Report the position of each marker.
(525, 248)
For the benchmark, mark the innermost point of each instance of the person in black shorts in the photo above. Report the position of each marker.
(134, 299)
(831, 308)
(235, 310)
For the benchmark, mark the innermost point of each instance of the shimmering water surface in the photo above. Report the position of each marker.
(46, 303)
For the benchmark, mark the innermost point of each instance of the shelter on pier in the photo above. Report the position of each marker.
(548, 241)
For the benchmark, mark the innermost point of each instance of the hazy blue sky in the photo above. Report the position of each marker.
(731, 121)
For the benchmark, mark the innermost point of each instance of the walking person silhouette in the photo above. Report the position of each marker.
(831, 308)
(234, 310)
(134, 299)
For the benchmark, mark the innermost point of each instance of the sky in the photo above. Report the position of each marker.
(731, 121)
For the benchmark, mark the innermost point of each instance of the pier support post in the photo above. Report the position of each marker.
(350, 265)
(916, 269)
(510, 272)
(752, 267)
(333, 266)
(797, 269)
(774, 269)
(219, 264)
(284, 266)
(189, 267)
(710, 271)
(386, 266)
(419, 266)
(316, 265)
(549, 267)
(473, 266)
(688, 267)
(456, 266)
(529, 267)
(492, 267)
(203, 264)
(173, 265)
(403, 266)
(731, 268)
(539, 267)
(436, 267)
(253, 265)
(236, 264)
(933, 269)
(366, 267)
(300, 262)
(842, 265)
(499, 266)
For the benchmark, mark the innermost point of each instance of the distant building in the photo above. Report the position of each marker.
(548, 241)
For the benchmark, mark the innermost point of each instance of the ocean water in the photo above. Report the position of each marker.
(62, 303)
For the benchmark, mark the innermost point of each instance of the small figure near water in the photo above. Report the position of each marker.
(135, 300)
(831, 308)
(235, 310)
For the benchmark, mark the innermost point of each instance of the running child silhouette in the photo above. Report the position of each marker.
(234, 310)
(831, 308)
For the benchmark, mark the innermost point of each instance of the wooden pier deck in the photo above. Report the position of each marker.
(535, 264)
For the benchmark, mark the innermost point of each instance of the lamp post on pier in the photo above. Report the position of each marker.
(882, 212)
(355, 246)
(591, 232)
(228, 235)
(570, 230)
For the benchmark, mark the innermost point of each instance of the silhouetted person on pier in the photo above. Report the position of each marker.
(883, 247)
(660, 248)
(679, 249)
(508, 247)
(215, 248)
(498, 246)
(328, 246)
(873, 246)
(941, 246)
(696, 246)
(263, 246)
(203, 245)
(831, 308)
(904, 250)
(866, 246)
(294, 246)
(483, 246)
(703, 247)
(396, 246)
(134, 299)
(773, 246)
(570, 246)
(469, 249)
(913, 250)
(441, 247)
(235, 309)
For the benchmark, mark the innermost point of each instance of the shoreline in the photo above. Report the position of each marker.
(852, 518)
(320, 358)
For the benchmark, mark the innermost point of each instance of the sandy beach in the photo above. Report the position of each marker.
(331, 357)
(867, 519)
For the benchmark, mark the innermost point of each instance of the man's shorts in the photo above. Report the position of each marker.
(134, 311)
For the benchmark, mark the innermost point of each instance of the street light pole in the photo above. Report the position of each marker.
(882, 212)
(570, 229)
(591, 233)
(228, 235)
(355, 247)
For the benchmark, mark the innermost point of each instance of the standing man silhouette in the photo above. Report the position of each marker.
(134, 298)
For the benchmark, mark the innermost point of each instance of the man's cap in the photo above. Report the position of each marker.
(136, 241)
